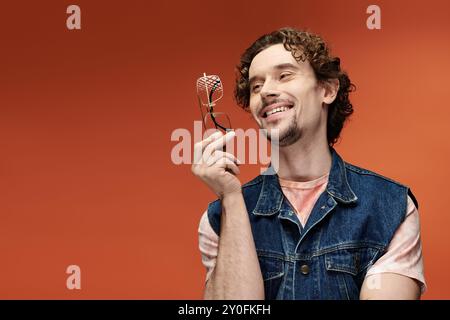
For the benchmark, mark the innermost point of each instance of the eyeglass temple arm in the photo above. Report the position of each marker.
(216, 84)
(218, 125)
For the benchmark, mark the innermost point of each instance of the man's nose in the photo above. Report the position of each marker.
(269, 89)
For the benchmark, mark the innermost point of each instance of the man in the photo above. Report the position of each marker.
(319, 228)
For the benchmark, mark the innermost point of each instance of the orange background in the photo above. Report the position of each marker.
(86, 117)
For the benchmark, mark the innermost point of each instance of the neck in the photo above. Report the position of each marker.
(303, 161)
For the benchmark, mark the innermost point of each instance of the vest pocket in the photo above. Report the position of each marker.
(343, 267)
(272, 270)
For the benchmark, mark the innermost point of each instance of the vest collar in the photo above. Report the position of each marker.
(271, 196)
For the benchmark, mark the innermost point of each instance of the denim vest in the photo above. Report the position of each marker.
(348, 230)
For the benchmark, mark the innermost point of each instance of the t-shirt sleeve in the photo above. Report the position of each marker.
(404, 253)
(208, 244)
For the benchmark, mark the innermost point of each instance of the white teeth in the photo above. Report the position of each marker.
(279, 109)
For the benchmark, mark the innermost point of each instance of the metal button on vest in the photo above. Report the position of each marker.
(304, 269)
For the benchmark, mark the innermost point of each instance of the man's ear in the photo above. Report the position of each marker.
(331, 88)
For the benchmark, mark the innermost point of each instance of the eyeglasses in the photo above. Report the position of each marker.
(209, 91)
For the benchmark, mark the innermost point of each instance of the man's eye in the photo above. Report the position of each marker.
(284, 75)
(256, 87)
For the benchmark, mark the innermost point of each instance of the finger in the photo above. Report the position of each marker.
(211, 132)
(200, 146)
(220, 154)
(219, 143)
(228, 164)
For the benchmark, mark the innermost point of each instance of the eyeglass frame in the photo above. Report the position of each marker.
(210, 109)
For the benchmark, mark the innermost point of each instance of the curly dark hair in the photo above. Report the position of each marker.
(303, 46)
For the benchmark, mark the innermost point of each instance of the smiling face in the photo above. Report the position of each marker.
(285, 95)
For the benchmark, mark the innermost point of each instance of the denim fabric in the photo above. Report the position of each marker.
(349, 228)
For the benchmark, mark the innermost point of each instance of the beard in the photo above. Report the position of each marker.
(288, 136)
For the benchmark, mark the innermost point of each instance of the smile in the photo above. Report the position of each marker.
(276, 110)
(276, 107)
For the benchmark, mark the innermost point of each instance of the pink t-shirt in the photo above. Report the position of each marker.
(404, 254)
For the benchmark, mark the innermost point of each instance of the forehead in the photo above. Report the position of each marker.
(271, 57)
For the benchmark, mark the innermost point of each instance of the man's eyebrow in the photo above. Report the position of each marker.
(286, 66)
(252, 79)
(277, 67)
